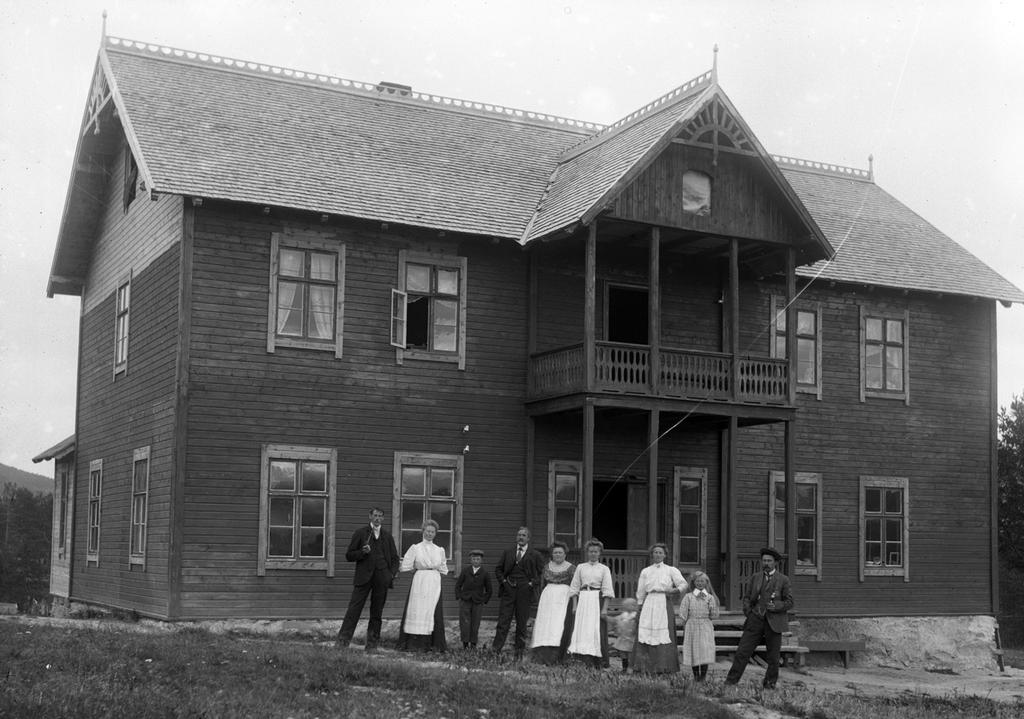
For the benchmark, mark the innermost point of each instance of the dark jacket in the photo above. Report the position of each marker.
(532, 565)
(474, 588)
(364, 561)
(778, 584)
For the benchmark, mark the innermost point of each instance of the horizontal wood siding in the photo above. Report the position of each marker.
(745, 202)
(940, 442)
(128, 240)
(117, 415)
(363, 404)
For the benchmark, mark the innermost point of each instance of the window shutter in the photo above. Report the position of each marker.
(398, 310)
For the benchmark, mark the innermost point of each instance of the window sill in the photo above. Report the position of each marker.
(301, 564)
(807, 571)
(327, 346)
(430, 356)
(875, 394)
(884, 571)
(92, 560)
(137, 562)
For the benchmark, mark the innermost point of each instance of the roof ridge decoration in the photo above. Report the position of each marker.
(825, 168)
(344, 84)
(681, 92)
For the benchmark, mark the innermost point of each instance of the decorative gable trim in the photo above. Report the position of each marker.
(714, 126)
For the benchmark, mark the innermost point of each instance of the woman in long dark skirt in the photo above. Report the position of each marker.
(423, 622)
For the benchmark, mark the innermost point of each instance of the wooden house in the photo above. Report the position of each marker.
(304, 296)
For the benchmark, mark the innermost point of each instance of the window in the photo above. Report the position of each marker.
(808, 519)
(691, 515)
(428, 309)
(429, 486)
(298, 487)
(131, 178)
(92, 552)
(307, 292)
(63, 504)
(140, 506)
(564, 497)
(808, 343)
(696, 192)
(884, 527)
(123, 300)
(884, 356)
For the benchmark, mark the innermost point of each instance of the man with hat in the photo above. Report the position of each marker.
(473, 590)
(767, 597)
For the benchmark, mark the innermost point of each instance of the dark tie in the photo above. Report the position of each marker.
(519, 554)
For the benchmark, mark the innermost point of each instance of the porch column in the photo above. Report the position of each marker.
(734, 316)
(732, 501)
(531, 438)
(588, 469)
(790, 452)
(590, 306)
(791, 323)
(654, 421)
(654, 311)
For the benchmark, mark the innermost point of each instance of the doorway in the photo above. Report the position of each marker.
(626, 314)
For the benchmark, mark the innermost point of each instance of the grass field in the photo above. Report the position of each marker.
(48, 672)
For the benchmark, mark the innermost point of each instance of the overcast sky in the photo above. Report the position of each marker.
(934, 90)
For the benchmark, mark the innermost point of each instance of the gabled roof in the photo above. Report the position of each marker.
(880, 241)
(219, 128)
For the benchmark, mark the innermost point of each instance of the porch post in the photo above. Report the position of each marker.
(731, 527)
(791, 323)
(734, 315)
(652, 476)
(531, 438)
(590, 306)
(790, 451)
(588, 469)
(654, 311)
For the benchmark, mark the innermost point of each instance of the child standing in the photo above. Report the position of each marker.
(697, 609)
(473, 590)
(625, 631)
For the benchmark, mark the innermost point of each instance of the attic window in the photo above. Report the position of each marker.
(696, 192)
(131, 177)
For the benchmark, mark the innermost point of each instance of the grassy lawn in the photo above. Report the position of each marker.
(75, 671)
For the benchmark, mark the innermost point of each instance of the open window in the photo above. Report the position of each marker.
(428, 308)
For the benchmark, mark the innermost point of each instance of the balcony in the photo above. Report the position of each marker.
(686, 374)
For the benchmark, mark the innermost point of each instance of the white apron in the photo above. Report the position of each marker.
(586, 632)
(653, 625)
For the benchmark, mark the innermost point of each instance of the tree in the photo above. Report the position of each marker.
(25, 519)
(1011, 482)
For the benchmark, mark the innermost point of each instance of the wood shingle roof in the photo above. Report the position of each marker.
(225, 129)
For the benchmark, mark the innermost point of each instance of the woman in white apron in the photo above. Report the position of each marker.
(553, 626)
(655, 651)
(592, 587)
(422, 626)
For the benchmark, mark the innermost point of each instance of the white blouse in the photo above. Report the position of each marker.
(659, 578)
(595, 576)
(424, 555)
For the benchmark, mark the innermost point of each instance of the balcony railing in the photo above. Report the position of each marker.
(689, 374)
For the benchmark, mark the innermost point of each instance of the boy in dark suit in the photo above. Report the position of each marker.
(473, 590)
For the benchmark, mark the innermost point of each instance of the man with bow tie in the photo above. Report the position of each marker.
(767, 598)
(519, 576)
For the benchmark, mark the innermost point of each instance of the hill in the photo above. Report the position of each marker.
(28, 480)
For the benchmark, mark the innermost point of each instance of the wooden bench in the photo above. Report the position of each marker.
(841, 646)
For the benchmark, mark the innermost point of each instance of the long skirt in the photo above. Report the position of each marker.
(661, 658)
(552, 627)
(422, 626)
(590, 631)
(699, 642)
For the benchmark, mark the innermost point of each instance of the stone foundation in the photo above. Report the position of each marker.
(933, 643)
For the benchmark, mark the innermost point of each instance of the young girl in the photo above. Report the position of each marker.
(697, 610)
(625, 631)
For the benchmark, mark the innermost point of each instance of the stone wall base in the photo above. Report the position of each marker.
(934, 643)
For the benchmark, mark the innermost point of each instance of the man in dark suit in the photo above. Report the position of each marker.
(767, 597)
(373, 550)
(518, 573)
(473, 590)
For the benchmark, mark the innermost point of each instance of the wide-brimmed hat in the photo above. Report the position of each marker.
(772, 552)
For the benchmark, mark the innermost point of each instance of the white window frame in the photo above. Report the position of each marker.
(94, 519)
(65, 505)
(122, 333)
(874, 482)
(316, 243)
(555, 468)
(778, 310)
(297, 453)
(776, 478)
(454, 462)
(885, 316)
(699, 475)
(399, 329)
(139, 512)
